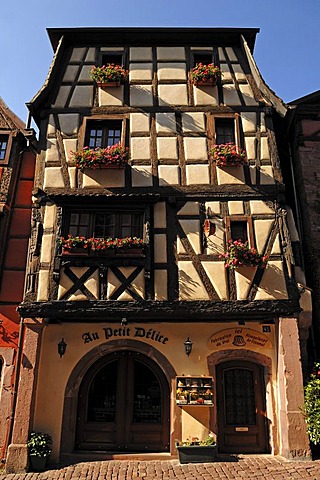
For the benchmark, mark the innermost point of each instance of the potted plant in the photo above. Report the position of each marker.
(196, 451)
(228, 155)
(114, 156)
(74, 245)
(110, 75)
(312, 408)
(239, 254)
(39, 449)
(202, 75)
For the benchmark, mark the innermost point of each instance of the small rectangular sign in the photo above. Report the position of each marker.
(241, 429)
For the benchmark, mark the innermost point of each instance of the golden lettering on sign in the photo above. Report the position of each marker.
(239, 338)
(114, 333)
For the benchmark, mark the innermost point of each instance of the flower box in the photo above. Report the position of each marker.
(112, 84)
(239, 254)
(115, 156)
(110, 75)
(129, 251)
(205, 75)
(210, 82)
(109, 166)
(75, 251)
(128, 246)
(197, 453)
(228, 155)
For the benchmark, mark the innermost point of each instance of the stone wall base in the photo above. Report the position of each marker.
(17, 458)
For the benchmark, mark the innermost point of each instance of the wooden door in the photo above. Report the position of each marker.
(242, 426)
(123, 405)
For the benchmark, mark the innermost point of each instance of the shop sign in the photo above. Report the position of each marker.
(239, 338)
(108, 333)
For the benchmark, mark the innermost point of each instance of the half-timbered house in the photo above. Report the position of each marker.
(163, 298)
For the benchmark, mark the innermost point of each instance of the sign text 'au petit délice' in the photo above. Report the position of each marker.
(108, 333)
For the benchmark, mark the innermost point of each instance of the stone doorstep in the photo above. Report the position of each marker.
(91, 456)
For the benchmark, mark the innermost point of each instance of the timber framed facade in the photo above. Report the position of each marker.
(124, 314)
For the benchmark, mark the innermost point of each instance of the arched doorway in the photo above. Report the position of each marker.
(242, 425)
(123, 405)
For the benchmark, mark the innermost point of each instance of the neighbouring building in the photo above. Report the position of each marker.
(134, 333)
(303, 137)
(17, 163)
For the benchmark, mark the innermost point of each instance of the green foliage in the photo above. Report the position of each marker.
(312, 405)
(86, 157)
(109, 73)
(201, 73)
(239, 254)
(228, 155)
(39, 444)
(194, 441)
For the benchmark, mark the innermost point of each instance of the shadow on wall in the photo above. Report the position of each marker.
(188, 287)
(273, 282)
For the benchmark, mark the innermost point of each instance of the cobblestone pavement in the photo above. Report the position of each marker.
(240, 467)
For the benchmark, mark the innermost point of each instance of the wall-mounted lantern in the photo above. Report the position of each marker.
(62, 346)
(188, 346)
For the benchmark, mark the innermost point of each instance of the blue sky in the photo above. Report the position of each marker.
(286, 51)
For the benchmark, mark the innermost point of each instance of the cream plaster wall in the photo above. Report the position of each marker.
(141, 96)
(193, 122)
(103, 178)
(190, 284)
(140, 71)
(160, 219)
(190, 208)
(112, 96)
(160, 285)
(172, 95)
(54, 372)
(139, 122)
(192, 230)
(230, 175)
(140, 54)
(205, 96)
(197, 174)
(166, 123)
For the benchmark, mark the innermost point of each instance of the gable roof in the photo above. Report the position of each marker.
(8, 119)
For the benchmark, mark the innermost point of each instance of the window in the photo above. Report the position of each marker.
(204, 58)
(105, 223)
(239, 230)
(3, 146)
(225, 131)
(116, 58)
(101, 134)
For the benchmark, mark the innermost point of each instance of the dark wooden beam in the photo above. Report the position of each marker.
(145, 311)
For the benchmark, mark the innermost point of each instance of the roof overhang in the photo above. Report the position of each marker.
(152, 36)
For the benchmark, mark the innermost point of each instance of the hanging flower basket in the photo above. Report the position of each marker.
(110, 75)
(205, 75)
(228, 155)
(114, 156)
(239, 254)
